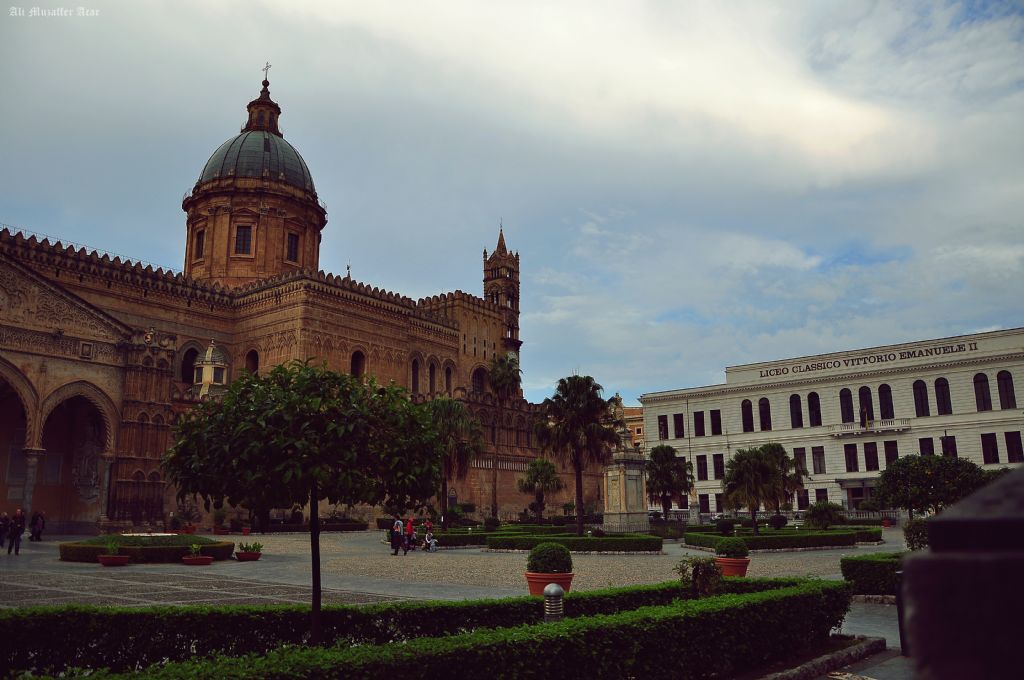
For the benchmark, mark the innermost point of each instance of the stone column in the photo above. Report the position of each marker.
(32, 457)
(105, 463)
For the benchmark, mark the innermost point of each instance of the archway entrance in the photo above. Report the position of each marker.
(68, 480)
(12, 441)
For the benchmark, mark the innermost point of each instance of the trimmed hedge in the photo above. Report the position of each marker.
(623, 543)
(159, 549)
(873, 574)
(716, 636)
(778, 540)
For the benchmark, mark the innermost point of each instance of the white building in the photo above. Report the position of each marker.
(845, 416)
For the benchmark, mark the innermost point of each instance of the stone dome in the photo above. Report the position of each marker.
(258, 154)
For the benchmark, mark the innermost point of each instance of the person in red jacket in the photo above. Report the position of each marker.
(410, 536)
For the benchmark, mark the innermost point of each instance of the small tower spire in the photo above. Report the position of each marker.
(263, 111)
(501, 249)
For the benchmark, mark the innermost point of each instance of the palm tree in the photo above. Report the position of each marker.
(667, 476)
(504, 376)
(750, 480)
(577, 425)
(541, 478)
(462, 441)
(788, 476)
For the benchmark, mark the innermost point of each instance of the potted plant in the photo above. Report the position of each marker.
(219, 515)
(195, 558)
(731, 556)
(112, 558)
(548, 563)
(249, 552)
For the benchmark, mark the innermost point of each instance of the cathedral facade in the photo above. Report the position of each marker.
(99, 357)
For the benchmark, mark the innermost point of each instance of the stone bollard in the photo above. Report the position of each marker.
(554, 609)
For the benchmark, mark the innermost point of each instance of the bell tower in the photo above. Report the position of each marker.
(501, 287)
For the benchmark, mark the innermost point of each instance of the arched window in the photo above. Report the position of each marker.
(764, 412)
(479, 379)
(415, 376)
(432, 377)
(982, 395)
(748, 415)
(358, 364)
(814, 409)
(921, 399)
(188, 365)
(796, 413)
(252, 362)
(1007, 398)
(943, 403)
(846, 405)
(448, 379)
(885, 408)
(867, 407)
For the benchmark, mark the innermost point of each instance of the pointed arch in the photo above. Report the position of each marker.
(28, 397)
(95, 396)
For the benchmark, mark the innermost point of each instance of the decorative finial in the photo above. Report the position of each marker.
(348, 270)
(266, 74)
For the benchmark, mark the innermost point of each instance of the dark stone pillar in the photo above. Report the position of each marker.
(964, 596)
(32, 457)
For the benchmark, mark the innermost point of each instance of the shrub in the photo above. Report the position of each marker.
(699, 575)
(732, 547)
(822, 515)
(915, 533)
(620, 543)
(255, 547)
(468, 508)
(869, 505)
(777, 521)
(549, 558)
(597, 532)
(785, 539)
(491, 523)
(145, 549)
(725, 526)
(873, 574)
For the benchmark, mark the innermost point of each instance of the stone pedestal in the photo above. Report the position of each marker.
(625, 494)
(963, 596)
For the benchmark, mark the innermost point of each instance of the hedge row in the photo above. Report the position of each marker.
(873, 574)
(716, 636)
(123, 638)
(624, 542)
(83, 552)
(780, 540)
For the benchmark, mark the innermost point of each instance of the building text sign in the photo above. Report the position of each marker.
(869, 359)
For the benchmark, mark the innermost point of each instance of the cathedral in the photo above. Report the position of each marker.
(99, 357)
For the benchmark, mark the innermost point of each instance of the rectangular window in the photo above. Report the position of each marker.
(684, 502)
(892, 453)
(850, 451)
(800, 457)
(678, 420)
(243, 240)
(719, 505)
(200, 248)
(218, 376)
(821, 495)
(818, 456)
(705, 505)
(716, 422)
(293, 248)
(949, 446)
(719, 462)
(662, 427)
(926, 446)
(702, 468)
(1014, 448)
(870, 456)
(803, 500)
(989, 448)
(698, 423)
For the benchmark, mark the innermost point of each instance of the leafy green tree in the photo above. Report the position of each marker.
(541, 479)
(461, 442)
(823, 514)
(667, 476)
(504, 376)
(308, 433)
(578, 425)
(788, 476)
(751, 480)
(928, 483)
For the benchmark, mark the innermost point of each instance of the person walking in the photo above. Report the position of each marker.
(396, 535)
(15, 532)
(36, 526)
(410, 533)
(5, 526)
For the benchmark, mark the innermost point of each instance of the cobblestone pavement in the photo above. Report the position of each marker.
(357, 568)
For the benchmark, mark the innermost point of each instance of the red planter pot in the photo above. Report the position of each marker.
(197, 560)
(733, 566)
(247, 556)
(113, 560)
(538, 581)
(245, 531)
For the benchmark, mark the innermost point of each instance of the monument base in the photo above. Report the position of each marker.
(626, 522)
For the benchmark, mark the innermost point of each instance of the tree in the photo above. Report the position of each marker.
(928, 483)
(751, 479)
(577, 424)
(788, 476)
(823, 514)
(461, 442)
(541, 478)
(309, 433)
(504, 376)
(667, 476)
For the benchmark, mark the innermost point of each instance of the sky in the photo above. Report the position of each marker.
(690, 185)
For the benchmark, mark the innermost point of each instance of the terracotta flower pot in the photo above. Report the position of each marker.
(247, 556)
(245, 531)
(539, 580)
(197, 560)
(112, 560)
(220, 531)
(733, 566)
